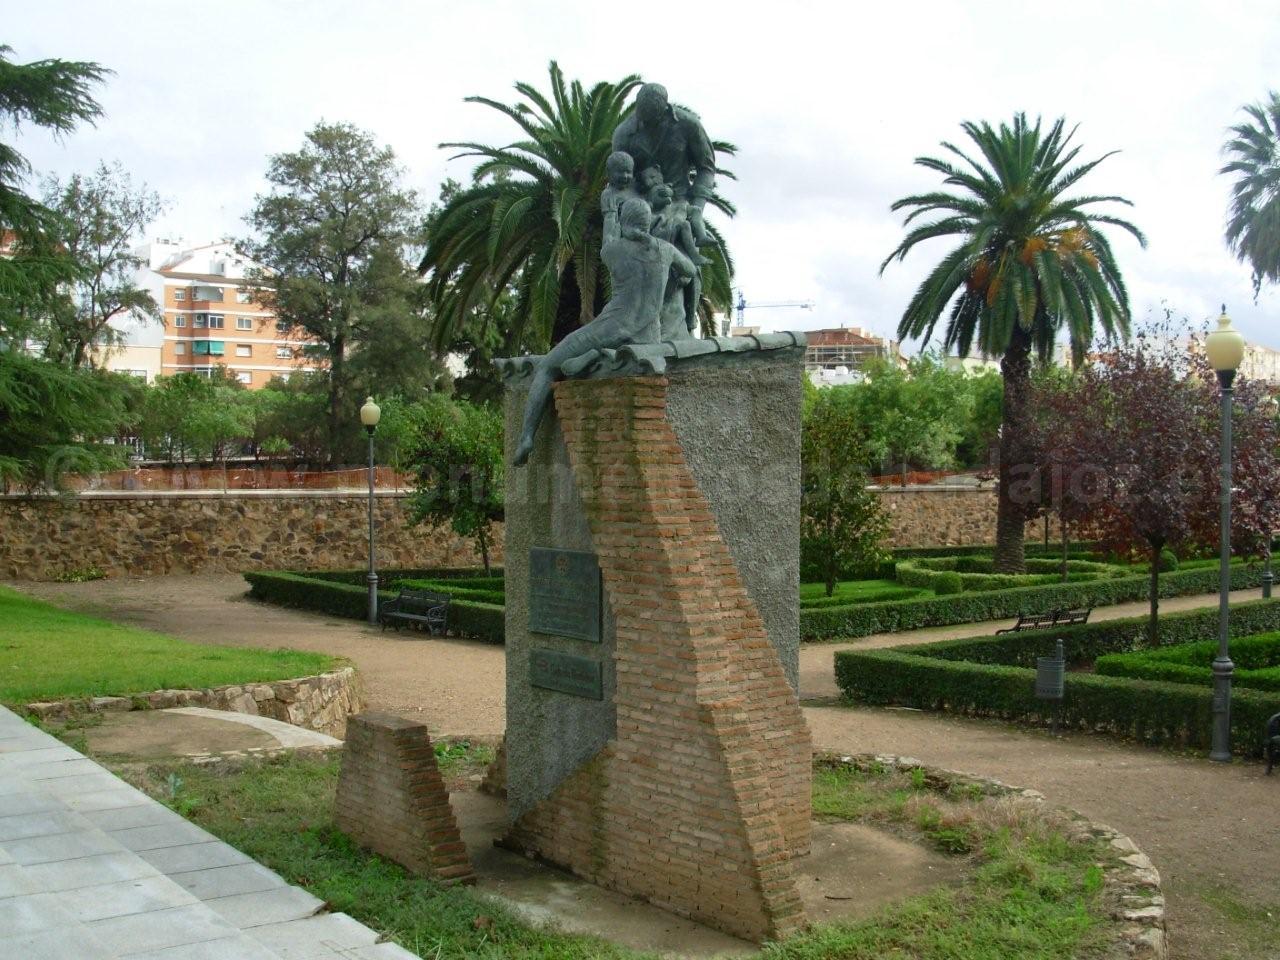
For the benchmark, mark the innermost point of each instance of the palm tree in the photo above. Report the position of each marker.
(1253, 226)
(1030, 262)
(531, 222)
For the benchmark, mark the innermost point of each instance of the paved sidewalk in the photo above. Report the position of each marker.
(92, 869)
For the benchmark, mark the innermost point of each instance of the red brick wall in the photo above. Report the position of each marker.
(392, 800)
(703, 798)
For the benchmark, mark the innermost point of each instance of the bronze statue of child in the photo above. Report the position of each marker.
(620, 170)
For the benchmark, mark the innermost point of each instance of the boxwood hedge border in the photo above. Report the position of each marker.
(994, 677)
(342, 593)
(843, 623)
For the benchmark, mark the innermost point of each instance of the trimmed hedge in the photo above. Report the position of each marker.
(877, 596)
(1256, 658)
(1146, 710)
(838, 623)
(334, 596)
(1085, 643)
(994, 676)
(452, 588)
(975, 573)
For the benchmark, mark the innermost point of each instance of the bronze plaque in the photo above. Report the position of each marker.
(566, 673)
(564, 593)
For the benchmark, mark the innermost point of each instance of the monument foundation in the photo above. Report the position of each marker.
(655, 743)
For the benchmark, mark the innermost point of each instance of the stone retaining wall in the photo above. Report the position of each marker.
(321, 702)
(43, 538)
(945, 516)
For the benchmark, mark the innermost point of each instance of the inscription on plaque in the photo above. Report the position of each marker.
(564, 593)
(566, 673)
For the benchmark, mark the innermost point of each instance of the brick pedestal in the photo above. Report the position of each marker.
(392, 800)
(702, 798)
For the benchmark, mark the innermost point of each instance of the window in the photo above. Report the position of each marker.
(244, 376)
(282, 326)
(179, 320)
(284, 353)
(244, 323)
(244, 296)
(200, 320)
(244, 350)
(208, 347)
(215, 321)
(179, 348)
(179, 294)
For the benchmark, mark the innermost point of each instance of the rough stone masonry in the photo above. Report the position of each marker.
(689, 782)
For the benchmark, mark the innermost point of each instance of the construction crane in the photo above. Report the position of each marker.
(744, 306)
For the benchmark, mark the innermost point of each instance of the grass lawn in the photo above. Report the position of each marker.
(1031, 894)
(47, 653)
(856, 591)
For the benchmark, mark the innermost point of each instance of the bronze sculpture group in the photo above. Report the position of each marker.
(660, 176)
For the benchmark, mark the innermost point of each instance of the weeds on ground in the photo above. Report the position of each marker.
(1033, 893)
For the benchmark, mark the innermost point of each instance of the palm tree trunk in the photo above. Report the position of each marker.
(1011, 517)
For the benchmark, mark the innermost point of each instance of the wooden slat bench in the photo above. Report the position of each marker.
(420, 608)
(1055, 618)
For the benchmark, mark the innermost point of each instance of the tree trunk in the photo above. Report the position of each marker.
(1153, 628)
(1066, 540)
(1011, 517)
(336, 371)
(482, 539)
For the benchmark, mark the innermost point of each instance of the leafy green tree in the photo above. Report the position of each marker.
(1253, 220)
(456, 452)
(913, 416)
(531, 218)
(55, 95)
(1031, 262)
(98, 217)
(53, 421)
(842, 524)
(981, 432)
(331, 237)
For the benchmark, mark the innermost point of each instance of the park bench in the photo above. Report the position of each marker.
(421, 608)
(1272, 742)
(1054, 618)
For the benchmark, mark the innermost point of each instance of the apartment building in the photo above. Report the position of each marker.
(847, 348)
(212, 317)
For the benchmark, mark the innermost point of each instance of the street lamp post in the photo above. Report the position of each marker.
(1224, 349)
(369, 416)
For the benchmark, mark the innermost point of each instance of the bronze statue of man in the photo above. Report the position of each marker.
(658, 134)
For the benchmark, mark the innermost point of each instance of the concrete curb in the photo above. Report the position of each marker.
(321, 702)
(1132, 878)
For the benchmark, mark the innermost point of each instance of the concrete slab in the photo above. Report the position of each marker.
(214, 882)
(193, 856)
(158, 929)
(89, 871)
(88, 904)
(239, 947)
(14, 881)
(43, 823)
(158, 836)
(61, 944)
(61, 846)
(285, 734)
(32, 913)
(315, 938)
(126, 818)
(108, 798)
(249, 910)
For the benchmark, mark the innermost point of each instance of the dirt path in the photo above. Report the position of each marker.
(1213, 830)
(456, 686)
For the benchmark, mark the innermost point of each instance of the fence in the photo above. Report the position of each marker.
(239, 477)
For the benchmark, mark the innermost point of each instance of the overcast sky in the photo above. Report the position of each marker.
(829, 103)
